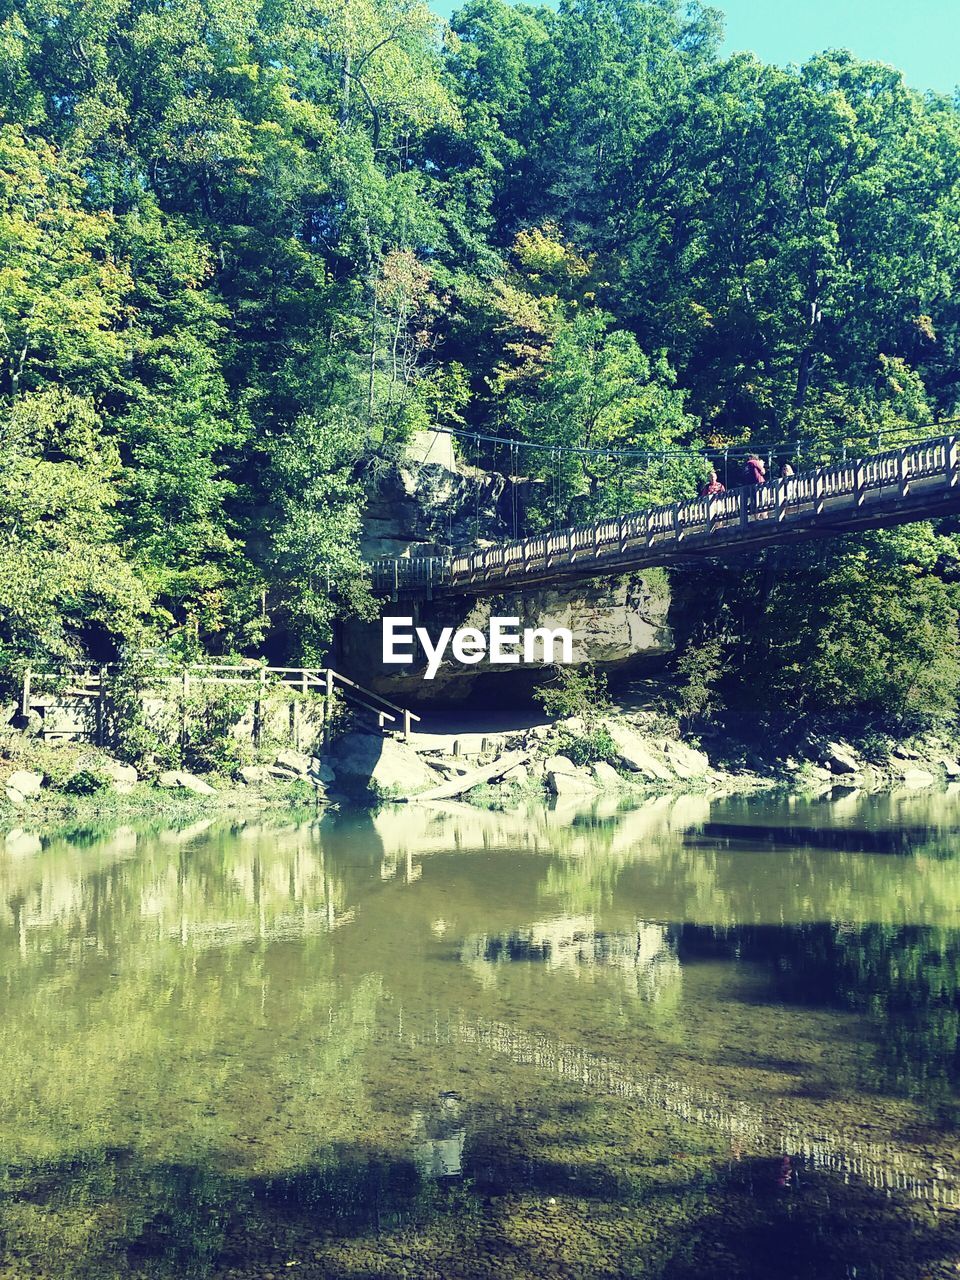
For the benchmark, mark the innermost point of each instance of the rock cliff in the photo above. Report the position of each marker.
(433, 504)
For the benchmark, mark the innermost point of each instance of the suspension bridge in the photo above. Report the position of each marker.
(898, 486)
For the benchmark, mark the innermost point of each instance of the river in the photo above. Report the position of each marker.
(680, 1039)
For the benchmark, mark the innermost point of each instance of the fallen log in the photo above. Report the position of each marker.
(466, 781)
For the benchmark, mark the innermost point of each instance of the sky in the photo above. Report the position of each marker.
(920, 37)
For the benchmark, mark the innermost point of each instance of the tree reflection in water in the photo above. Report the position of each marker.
(316, 1033)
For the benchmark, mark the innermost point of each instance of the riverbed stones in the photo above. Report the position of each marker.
(123, 777)
(606, 776)
(917, 778)
(635, 754)
(362, 760)
(518, 775)
(839, 758)
(686, 761)
(559, 764)
(23, 785)
(577, 783)
(171, 779)
(252, 774)
(294, 762)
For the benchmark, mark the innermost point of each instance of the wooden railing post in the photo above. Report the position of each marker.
(25, 693)
(744, 508)
(903, 484)
(677, 531)
(184, 695)
(328, 706)
(100, 713)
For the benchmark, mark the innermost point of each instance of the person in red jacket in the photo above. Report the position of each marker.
(754, 472)
(712, 487)
(754, 477)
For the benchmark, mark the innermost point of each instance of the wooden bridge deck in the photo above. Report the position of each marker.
(921, 482)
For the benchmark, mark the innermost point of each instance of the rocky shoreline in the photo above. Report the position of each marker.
(45, 783)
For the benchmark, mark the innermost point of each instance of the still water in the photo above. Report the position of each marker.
(688, 1038)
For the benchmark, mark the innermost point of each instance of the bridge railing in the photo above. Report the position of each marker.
(782, 499)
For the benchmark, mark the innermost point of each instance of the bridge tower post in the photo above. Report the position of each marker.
(951, 461)
(858, 486)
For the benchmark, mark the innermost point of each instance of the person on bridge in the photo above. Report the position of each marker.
(754, 472)
(713, 486)
(754, 477)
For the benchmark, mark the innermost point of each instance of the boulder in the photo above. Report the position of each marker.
(559, 764)
(295, 762)
(917, 778)
(573, 725)
(606, 776)
(518, 775)
(251, 774)
(634, 753)
(686, 761)
(320, 771)
(123, 777)
(364, 759)
(570, 784)
(950, 767)
(839, 758)
(23, 784)
(118, 772)
(173, 778)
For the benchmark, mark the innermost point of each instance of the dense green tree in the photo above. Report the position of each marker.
(253, 244)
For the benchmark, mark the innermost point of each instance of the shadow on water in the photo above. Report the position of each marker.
(904, 979)
(373, 1213)
(634, 1016)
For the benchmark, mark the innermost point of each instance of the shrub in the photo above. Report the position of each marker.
(85, 782)
(577, 691)
(588, 748)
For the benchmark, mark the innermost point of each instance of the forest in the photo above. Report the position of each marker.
(248, 247)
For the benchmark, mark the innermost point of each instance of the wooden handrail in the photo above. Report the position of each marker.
(87, 681)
